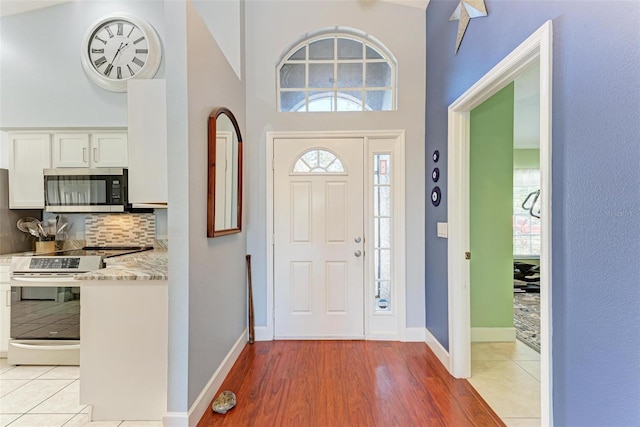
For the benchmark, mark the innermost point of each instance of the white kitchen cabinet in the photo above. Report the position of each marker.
(95, 150)
(147, 126)
(29, 154)
(123, 361)
(5, 310)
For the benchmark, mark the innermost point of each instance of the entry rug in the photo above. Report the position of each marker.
(526, 318)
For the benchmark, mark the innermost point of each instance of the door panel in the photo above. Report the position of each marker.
(319, 280)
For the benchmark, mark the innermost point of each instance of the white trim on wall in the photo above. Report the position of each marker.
(201, 404)
(441, 353)
(538, 47)
(399, 333)
(493, 334)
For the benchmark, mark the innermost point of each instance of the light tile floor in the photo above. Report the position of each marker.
(47, 396)
(507, 376)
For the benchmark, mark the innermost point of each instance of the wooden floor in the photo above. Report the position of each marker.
(347, 383)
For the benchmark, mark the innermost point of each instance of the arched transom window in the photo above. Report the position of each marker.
(318, 161)
(337, 72)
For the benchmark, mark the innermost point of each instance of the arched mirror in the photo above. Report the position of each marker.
(224, 189)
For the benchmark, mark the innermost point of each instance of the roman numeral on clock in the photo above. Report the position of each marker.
(109, 31)
(107, 70)
(120, 28)
(139, 40)
(130, 70)
(97, 50)
(98, 38)
(98, 62)
(119, 72)
(142, 50)
(137, 61)
(129, 35)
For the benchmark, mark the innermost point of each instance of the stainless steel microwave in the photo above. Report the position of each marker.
(85, 190)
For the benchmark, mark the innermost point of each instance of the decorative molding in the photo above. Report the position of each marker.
(493, 334)
(263, 333)
(201, 404)
(538, 47)
(415, 334)
(441, 353)
(400, 228)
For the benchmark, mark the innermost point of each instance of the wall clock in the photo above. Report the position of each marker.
(120, 47)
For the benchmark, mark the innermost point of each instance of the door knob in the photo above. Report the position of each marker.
(358, 253)
(358, 239)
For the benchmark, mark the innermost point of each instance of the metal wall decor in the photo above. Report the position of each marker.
(435, 196)
(465, 12)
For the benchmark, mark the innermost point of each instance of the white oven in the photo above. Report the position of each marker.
(45, 304)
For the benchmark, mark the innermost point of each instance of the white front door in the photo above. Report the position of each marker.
(318, 238)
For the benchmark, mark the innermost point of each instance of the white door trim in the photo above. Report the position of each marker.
(267, 333)
(538, 47)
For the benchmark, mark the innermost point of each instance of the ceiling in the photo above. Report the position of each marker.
(12, 7)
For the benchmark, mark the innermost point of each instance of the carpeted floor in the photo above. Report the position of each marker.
(526, 318)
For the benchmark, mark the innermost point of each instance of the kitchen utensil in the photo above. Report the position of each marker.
(23, 222)
(33, 229)
(43, 232)
(62, 227)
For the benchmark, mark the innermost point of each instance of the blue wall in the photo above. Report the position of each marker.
(596, 188)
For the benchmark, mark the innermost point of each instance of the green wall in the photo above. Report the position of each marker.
(491, 208)
(526, 158)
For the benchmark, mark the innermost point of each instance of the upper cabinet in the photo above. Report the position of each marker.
(95, 149)
(29, 154)
(147, 126)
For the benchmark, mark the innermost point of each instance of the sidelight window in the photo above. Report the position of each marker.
(382, 224)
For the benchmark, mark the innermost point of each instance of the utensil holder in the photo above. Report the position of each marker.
(45, 245)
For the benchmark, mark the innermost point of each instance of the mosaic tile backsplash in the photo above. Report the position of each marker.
(120, 229)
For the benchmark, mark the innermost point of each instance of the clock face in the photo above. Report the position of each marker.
(119, 48)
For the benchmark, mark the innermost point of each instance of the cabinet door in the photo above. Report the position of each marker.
(70, 150)
(147, 113)
(29, 154)
(109, 150)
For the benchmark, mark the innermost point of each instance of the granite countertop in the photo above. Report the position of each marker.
(148, 265)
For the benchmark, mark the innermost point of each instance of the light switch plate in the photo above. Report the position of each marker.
(443, 229)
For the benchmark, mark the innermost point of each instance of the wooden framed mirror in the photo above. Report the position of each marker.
(224, 186)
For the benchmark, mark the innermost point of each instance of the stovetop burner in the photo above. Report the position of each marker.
(86, 259)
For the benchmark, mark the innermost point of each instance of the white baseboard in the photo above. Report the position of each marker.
(493, 334)
(415, 334)
(441, 353)
(262, 333)
(197, 410)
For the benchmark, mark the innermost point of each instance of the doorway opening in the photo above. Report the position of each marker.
(536, 49)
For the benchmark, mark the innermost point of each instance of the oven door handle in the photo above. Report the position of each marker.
(58, 279)
(45, 347)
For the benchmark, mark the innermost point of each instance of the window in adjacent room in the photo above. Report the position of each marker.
(526, 228)
(337, 72)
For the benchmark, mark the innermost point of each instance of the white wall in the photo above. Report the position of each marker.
(42, 80)
(272, 27)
